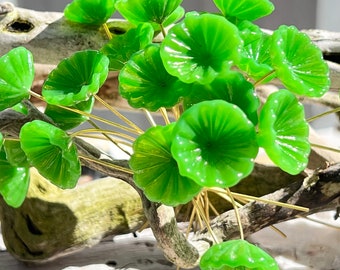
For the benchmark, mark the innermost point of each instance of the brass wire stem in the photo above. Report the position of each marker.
(107, 31)
(107, 164)
(206, 219)
(165, 115)
(149, 117)
(237, 213)
(119, 115)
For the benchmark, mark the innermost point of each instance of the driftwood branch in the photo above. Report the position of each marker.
(32, 233)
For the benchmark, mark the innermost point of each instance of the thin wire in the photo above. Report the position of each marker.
(237, 213)
(118, 114)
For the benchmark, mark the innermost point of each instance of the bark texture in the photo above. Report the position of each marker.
(53, 222)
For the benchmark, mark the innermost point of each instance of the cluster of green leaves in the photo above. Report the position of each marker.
(206, 66)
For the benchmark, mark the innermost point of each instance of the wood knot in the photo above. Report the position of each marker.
(19, 26)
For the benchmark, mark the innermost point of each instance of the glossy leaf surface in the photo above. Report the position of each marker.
(299, 63)
(19, 107)
(14, 182)
(200, 47)
(52, 152)
(283, 132)
(120, 48)
(91, 12)
(250, 10)
(66, 119)
(155, 170)
(145, 83)
(255, 56)
(76, 78)
(231, 87)
(137, 11)
(16, 76)
(237, 254)
(15, 155)
(214, 144)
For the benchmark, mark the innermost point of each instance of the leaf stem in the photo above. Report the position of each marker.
(149, 117)
(107, 31)
(118, 114)
(324, 147)
(286, 205)
(163, 30)
(176, 111)
(103, 132)
(36, 95)
(100, 119)
(257, 83)
(107, 164)
(111, 140)
(165, 115)
(323, 114)
(206, 219)
(237, 213)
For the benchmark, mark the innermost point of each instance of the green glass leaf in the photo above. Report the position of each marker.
(155, 170)
(283, 132)
(91, 12)
(231, 87)
(15, 155)
(14, 182)
(255, 57)
(214, 144)
(138, 11)
(16, 76)
(120, 48)
(175, 16)
(299, 63)
(250, 10)
(66, 119)
(237, 254)
(76, 78)
(1, 140)
(145, 83)
(20, 108)
(200, 47)
(51, 151)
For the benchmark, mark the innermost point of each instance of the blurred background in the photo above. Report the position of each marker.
(305, 14)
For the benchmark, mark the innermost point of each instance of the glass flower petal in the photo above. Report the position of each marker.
(155, 170)
(299, 63)
(214, 144)
(92, 12)
(15, 155)
(16, 76)
(250, 10)
(52, 152)
(145, 83)
(283, 132)
(14, 182)
(76, 78)
(231, 87)
(66, 119)
(200, 47)
(120, 48)
(255, 57)
(137, 11)
(237, 254)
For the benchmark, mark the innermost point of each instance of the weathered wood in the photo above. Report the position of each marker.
(53, 222)
(31, 239)
(48, 35)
